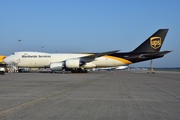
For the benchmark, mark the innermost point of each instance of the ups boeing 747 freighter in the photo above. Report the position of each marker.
(79, 62)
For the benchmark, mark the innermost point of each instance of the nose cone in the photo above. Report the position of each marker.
(6, 60)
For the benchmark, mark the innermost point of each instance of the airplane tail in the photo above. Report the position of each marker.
(153, 43)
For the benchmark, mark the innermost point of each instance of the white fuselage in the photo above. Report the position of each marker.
(41, 60)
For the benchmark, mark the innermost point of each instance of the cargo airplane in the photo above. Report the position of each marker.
(79, 62)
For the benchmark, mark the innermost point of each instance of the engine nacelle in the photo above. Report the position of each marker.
(56, 66)
(73, 63)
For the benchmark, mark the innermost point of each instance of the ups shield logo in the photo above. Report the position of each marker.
(155, 42)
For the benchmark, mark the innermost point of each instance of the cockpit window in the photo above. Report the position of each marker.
(12, 53)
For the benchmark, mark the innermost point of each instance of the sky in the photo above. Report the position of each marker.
(89, 26)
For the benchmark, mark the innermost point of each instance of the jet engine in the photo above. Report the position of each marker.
(56, 66)
(73, 63)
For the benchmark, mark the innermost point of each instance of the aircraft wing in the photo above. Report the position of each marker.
(96, 55)
(157, 54)
(104, 53)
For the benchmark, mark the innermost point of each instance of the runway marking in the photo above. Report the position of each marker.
(107, 99)
(12, 109)
(170, 94)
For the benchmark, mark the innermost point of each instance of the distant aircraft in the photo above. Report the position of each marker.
(113, 68)
(79, 62)
(121, 67)
(2, 57)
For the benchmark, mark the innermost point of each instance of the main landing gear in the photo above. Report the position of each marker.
(78, 70)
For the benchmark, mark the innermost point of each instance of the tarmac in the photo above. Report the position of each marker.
(99, 95)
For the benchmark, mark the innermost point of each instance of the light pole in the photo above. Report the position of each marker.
(19, 44)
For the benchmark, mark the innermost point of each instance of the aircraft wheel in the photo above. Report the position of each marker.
(79, 70)
(85, 71)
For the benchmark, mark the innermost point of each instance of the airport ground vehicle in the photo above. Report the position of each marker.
(2, 69)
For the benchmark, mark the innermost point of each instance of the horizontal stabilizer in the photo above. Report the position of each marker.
(156, 54)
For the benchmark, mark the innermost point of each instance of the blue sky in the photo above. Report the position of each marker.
(89, 26)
